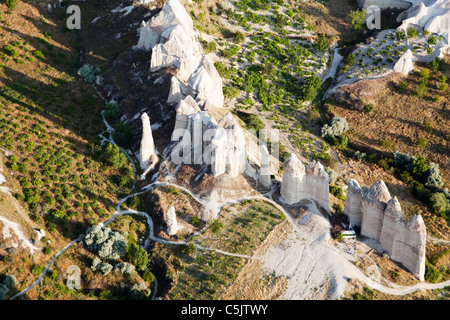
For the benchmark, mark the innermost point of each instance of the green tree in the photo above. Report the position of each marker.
(138, 256)
(122, 134)
(420, 167)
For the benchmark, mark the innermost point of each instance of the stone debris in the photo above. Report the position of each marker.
(380, 217)
(300, 182)
(171, 221)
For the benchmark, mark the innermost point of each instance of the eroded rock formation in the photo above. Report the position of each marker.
(380, 217)
(147, 148)
(264, 175)
(300, 182)
(171, 221)
(171, 37)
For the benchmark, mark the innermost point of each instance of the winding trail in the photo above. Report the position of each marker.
(307, 261)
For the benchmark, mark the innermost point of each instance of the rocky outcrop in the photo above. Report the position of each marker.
(229, 149)
(353, 203)
(147, 148)
(380, 217)
(404, 63)
(432, 16)
(300, 182)
(171, 221)
(176, 49)
(206, 84)
(404, 242)
(171, 37)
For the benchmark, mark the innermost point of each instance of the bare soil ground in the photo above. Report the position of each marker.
(399, 116)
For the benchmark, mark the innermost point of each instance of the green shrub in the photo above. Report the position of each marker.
(148, 276)
(440, 204)
(122, 134)
(322, 43)
(420, 167)
(252, 121)
(338, 209)
(412, 32)
(114, 157)
(138, 256)
(11, 4)
(357, 18)
(400, 35)
(190, 249)
(238, 37)
(11, 51)
(38, 54)
(311, 88)
(349, 59)
(432, 40)
(368, 108)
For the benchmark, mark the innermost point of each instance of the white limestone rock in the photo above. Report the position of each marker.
(184, 109)
(264, 175)
(353, 203)
(147, 37)
(147, 148)
(317, 184)
(206, 84)
(391, 220)
(171, 221)
(175, 94)
(404, 63)
(374, 205)
(229, 148)
(293, 180)
(300, 182)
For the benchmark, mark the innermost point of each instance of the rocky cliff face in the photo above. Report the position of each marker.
(380, 217)
(300, 182)
(171, 221)
(229, 148)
